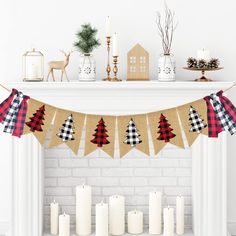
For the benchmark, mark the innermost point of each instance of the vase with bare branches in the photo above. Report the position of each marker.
(166, 27)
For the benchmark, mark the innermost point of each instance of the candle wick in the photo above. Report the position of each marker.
(54, 201)
(64, 214)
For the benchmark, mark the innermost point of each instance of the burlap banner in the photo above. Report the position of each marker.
(165, 128)
(100, 133)
(68, 126)
(133, 134)
(38, 119)
(194, 119)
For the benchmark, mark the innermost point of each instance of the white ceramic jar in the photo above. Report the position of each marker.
(166, 68)
(87, 68)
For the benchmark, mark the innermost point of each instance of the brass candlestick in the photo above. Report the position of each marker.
(115, 69)
(108, 68)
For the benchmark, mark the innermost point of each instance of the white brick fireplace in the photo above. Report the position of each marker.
(40, 174)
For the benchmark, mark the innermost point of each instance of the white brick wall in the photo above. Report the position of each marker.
(133, 177)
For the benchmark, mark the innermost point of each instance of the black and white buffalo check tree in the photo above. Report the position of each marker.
(66, 132)
(132, 136)
(196, 122)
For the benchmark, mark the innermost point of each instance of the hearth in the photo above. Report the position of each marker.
(40, 174)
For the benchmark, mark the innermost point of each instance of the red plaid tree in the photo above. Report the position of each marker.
(165, 130)
(100, 137)
(36, 121)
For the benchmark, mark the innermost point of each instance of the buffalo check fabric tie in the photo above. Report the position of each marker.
(10, 118)
(20, 119)
(5, 105)
(226, 120)
(214, 127)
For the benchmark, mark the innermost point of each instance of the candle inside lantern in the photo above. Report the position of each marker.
(168, 221)
(32, 71)
(54, 213)
(180, 215)
(135, 222)
(108, 27)
(83, 209)
(101, 219)
(116, 215)
(155, 210)
(203, 54)
(115, 45)
(64, 225)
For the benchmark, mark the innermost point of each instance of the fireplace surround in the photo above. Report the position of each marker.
(208, 155)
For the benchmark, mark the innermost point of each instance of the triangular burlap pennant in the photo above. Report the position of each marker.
(165, 128)
(133, 133)
(67, 128)
(193, 117)
(38, 119)
(100, 133)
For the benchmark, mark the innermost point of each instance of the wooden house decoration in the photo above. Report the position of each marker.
(138, 63)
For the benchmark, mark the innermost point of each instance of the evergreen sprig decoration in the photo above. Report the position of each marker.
(86, 39)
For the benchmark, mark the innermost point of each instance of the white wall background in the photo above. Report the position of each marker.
(50, 25)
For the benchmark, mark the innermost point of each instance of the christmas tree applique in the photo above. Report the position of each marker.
(132, 136)
(165, 130)
(196, 122)
(66, 131)
(100, 136)
(36, 121)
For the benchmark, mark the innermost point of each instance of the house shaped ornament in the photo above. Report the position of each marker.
(138, 63)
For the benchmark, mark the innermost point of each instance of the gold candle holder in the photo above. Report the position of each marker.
(115, 69)
(108, 68)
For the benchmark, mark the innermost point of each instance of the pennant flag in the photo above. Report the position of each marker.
(193, 117)
(133, 134)
(165, 128)
(67, 128)
(38, 119)
(100, 133)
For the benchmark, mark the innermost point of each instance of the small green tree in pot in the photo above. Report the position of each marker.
(86, 42)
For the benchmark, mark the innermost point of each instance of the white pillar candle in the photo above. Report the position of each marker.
(168, 221)
(54, 213)
(155, 210)
(116, 215)
(203, 54)
(115, 45)
(135, 222)
(101, 219)
(64, 225)
(83, 209)
(108, 27)
(32, 72)
(180, 215)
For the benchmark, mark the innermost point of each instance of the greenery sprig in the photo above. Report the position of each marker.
(86, 39)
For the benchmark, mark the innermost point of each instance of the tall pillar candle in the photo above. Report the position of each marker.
(180, 215)
(101, 219)
(168, 221)
(116, 215)
(54, 214)
(135, 222)
(64, 225)
(155, 213)
(83, 209)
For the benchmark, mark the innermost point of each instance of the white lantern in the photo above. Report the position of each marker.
(33, 66)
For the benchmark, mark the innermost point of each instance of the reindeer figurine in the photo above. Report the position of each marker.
(59, 65)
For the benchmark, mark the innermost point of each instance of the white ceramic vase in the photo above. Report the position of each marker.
(87, 68)
(166, 68)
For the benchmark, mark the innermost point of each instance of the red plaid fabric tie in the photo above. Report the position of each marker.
(214, 127)
(227, 104)
(20, 119)
(5, 105)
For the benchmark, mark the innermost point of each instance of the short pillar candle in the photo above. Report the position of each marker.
(64, 225)
(135, 222)
(168, 221)
(101, 219)
(180, 215)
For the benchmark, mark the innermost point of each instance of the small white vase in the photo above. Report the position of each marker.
(87, 68)
(166, 68)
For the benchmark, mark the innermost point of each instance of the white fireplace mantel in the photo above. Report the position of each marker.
(209, 155)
